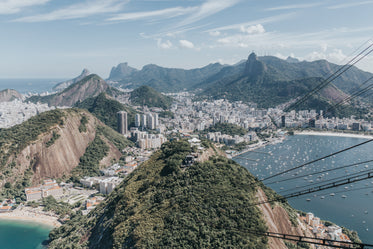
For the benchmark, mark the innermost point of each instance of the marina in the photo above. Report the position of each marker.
(348, 205)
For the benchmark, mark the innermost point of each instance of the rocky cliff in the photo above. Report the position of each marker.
(51, 145)
(88, 87)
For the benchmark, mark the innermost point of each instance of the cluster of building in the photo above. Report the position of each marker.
(16, 112)
(218, 137)
(311, 119)
(146, 140)
(106, 184)
(148, 120)
(333, 232)
(199, 115)
(49, 187)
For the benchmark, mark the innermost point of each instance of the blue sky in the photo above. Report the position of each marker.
(58, 38)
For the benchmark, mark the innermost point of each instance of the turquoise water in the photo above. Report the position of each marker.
(29, 85)
(22, 235)
(354, 210)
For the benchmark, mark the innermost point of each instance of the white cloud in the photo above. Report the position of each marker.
(14, 6)
(214, 33)
(254, 29)
(210, 7)
(335, 56)
(349, 5)
(164, 14)
(75, 11)
(186, 44)
(164, 45)
(295, 6)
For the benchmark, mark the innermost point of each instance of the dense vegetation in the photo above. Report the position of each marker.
(83, 124)
(167, 79)
(162, 206)
(89, 164)
(228, 128)
(105, 109)
(54, 137)
(145, 95)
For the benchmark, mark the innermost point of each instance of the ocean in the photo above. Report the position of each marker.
(16, 234)
(350, 205)
(25, 86)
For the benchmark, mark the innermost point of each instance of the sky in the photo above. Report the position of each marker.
(58, 38)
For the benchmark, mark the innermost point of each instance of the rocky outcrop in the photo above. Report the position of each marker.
(8, 95)
(121, 71)
(65, 84)
(59, 158)
(90, 86)
(278, 221)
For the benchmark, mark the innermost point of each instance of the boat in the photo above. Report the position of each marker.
(332, 194)
(344, 196)
(308, 200)
(322, 197)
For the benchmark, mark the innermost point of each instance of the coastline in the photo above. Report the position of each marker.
(333, 134)
(29, 214)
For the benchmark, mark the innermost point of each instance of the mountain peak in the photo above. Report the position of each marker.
(254, 67)
(63, 85)
(120, 71)
(252, 57)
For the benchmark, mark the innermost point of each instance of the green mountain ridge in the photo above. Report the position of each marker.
(145, 95)
(105, 109)
(160, 205)
(166, 79)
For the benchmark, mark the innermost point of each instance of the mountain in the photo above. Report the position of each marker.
(8, 95)
(160, 205)
(63, 85)
(55, 144)
(90, 86)
(145, 95)
(167, 79)
(270, 81)
(121, 71)
(105, 108)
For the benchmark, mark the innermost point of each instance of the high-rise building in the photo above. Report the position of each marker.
(156, 120)
(143, 121)
(122, 122)
(138, 120)
(151, 123)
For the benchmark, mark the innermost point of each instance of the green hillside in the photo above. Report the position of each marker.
(161, 205)
(145, 95)
(105, 109)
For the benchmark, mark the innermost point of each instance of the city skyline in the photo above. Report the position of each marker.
(57, 39)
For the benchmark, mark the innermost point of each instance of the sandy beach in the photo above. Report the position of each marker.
(334, 134)
(31, 215)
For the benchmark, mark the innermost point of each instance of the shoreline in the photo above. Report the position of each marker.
(27, 214)
(333, 134)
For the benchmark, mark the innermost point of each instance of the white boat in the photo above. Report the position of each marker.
(332, 194)
(344, 196)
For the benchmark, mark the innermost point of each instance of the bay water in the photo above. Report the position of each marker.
(16, 234)
(25, 86)
(349, 205)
